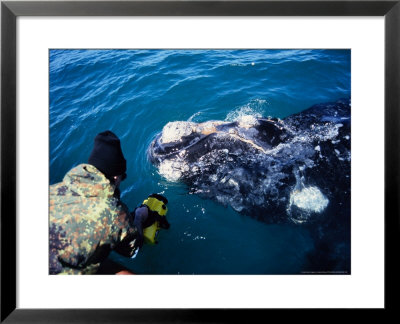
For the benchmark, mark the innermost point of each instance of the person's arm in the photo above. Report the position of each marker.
(140, 218)
(127, 247)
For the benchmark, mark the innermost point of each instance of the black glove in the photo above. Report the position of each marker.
(127, 246)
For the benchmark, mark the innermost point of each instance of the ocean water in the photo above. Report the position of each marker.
(134, 93)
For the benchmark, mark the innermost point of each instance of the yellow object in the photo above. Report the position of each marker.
(156, 205)
(150, 233)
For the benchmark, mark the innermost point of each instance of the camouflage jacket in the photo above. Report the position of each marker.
(86, 222)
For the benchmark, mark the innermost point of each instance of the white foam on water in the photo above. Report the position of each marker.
(247, 121)
(320, 132)
(251, 111)
(309, 199)
(195, 115)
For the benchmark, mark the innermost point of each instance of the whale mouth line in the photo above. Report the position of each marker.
(248, 142)
(179, 131)
(238, 137)
(210, 133)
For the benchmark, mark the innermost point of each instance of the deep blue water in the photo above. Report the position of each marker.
(135, 93)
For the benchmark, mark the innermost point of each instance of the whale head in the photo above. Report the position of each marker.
(271, 169)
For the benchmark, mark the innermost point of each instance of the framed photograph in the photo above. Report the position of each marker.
(267, 131)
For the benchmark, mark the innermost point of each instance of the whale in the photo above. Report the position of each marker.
(295, 169)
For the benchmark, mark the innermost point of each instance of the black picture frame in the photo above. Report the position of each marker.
(10, 10)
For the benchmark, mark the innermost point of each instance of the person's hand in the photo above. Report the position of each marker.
(127, 247)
